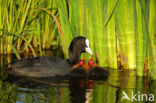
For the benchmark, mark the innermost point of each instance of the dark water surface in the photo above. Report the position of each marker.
(119, 84)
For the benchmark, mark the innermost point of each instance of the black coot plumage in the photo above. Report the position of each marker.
(46, 66)
(97, 72)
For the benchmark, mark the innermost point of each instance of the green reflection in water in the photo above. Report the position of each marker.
(6, 93)
(11, 93)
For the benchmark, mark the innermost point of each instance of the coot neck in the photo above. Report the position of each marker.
(74, 58)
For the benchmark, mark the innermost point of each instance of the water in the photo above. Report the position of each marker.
(120, 83)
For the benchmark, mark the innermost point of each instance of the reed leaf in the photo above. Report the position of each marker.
(15, 51)
(34, 54)
(111, 5)
(25, 8)
(141, 40)
(65, 25)
(125, 28)
(152, 36)
(97, 16)
(111, 35)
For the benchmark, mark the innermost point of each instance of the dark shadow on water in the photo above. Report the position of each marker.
(32, 82)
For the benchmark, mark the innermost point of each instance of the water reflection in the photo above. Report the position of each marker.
(74, 90)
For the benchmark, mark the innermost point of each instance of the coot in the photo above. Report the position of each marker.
(96, 72)
(78, 70)
(46, 66)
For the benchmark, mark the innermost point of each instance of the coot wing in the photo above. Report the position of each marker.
(43, 66)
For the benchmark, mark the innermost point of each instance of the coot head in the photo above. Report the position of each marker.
(78, 45)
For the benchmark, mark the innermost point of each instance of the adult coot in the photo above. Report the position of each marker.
(46, 66)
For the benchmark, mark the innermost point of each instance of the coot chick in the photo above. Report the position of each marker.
(46, 66)
(96, 72)
(78, 70)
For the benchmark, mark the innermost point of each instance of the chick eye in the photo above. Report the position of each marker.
(82, 42)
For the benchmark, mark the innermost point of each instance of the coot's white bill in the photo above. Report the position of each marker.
(87, 49)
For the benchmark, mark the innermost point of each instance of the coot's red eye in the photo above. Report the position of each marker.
(82, 42)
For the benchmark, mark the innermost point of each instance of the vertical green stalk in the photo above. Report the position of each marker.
(23, 19)
(1, 26)
(125, 26)
(39, 35)
(74, 16)
(152, 35)
(2, 15)
(111, 43)
(97, 16)
(65, 26)
(46, 19)
(90, 31)
(111, 36)
(141, 40)
(10, 23)
(25, 12)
